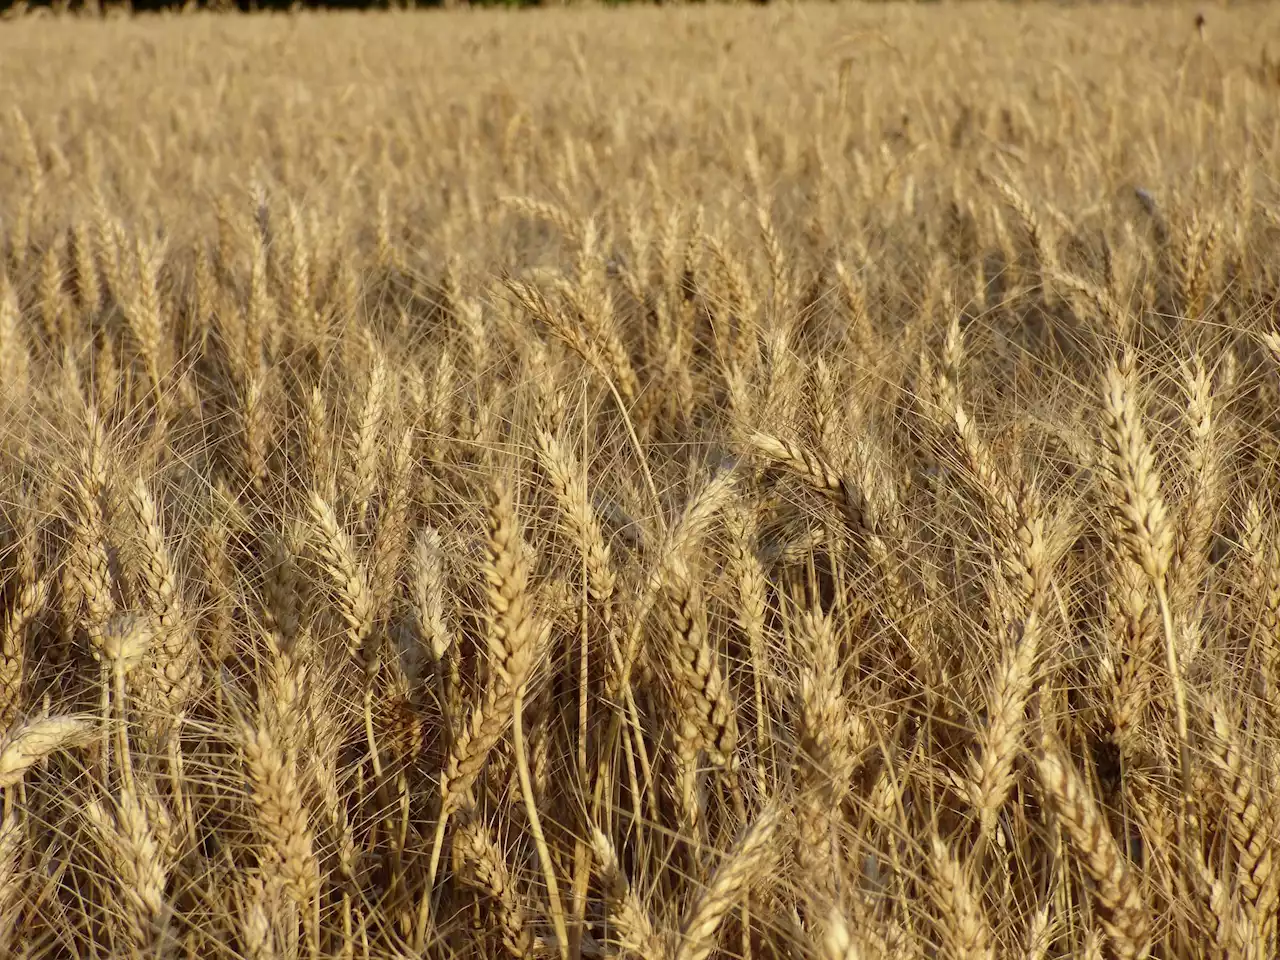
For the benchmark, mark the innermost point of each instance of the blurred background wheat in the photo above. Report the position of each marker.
(673, 484)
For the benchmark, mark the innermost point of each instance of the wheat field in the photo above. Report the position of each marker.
(671, 484)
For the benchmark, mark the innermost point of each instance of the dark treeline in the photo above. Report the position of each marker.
(92, 7)
(141, 6)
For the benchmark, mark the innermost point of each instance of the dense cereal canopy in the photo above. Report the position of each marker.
(667, 483)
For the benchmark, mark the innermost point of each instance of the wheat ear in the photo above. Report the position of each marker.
(338, 556)
(569, 484)
(89, 569)
(1262, 549)
(839, 941)
(512, 639)
(23, 746)
(13, 842)
(1144, 523)
(178, 667)
(1023, 553)
(830, 740)
(706, 709)
(130, 842)
(282, 820)
(485, 868)
(358, 605)
(748, 859)
(964, 923)
(30, 600)
(1253, 825)
(1204, 498)
(513, 628)
(626, 913)
(750, 612)
(1124, 916)
(362, 456)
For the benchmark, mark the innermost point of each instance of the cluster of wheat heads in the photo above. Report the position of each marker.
(479, 486)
